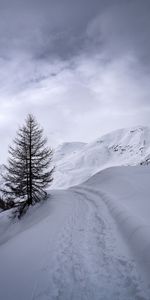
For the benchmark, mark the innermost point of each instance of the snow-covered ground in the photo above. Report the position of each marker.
(91, 241)
(76, 162)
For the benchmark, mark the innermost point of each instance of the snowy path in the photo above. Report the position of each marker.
(74, 253)
(85, 262)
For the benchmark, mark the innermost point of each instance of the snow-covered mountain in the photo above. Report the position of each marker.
(90, 241)
(76, 162)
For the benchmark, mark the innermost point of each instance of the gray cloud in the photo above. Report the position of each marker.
(123, 29)
(82, 67)
(44, 28)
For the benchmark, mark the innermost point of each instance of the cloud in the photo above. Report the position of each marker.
(44, 28)
(123, 28)
(82, 67)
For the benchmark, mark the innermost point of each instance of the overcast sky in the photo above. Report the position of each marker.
(82, 67)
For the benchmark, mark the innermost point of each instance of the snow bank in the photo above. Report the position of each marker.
(126, 192)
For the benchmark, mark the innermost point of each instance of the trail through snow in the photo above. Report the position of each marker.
(70, 248)
(86, 261)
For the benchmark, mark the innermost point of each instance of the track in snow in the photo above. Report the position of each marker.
(87, 260)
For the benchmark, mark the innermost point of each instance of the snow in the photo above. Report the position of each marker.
(81, 243)
(76, 162)
(126, 190)
(91, 239)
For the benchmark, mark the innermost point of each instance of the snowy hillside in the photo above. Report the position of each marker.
(76, 162)
(92, 240)
(89, 242)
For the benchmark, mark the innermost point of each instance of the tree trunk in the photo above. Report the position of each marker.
(30, 170)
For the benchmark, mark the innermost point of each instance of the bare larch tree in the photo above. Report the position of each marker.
(28, 172)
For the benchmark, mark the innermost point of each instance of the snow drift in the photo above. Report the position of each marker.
(126, 192)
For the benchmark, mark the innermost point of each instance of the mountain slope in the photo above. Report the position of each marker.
(77, 162)
(70, 247)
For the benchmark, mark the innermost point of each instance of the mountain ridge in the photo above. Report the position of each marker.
(121, 147)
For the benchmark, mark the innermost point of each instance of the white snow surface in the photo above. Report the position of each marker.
(91, 241)
(76, 162)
